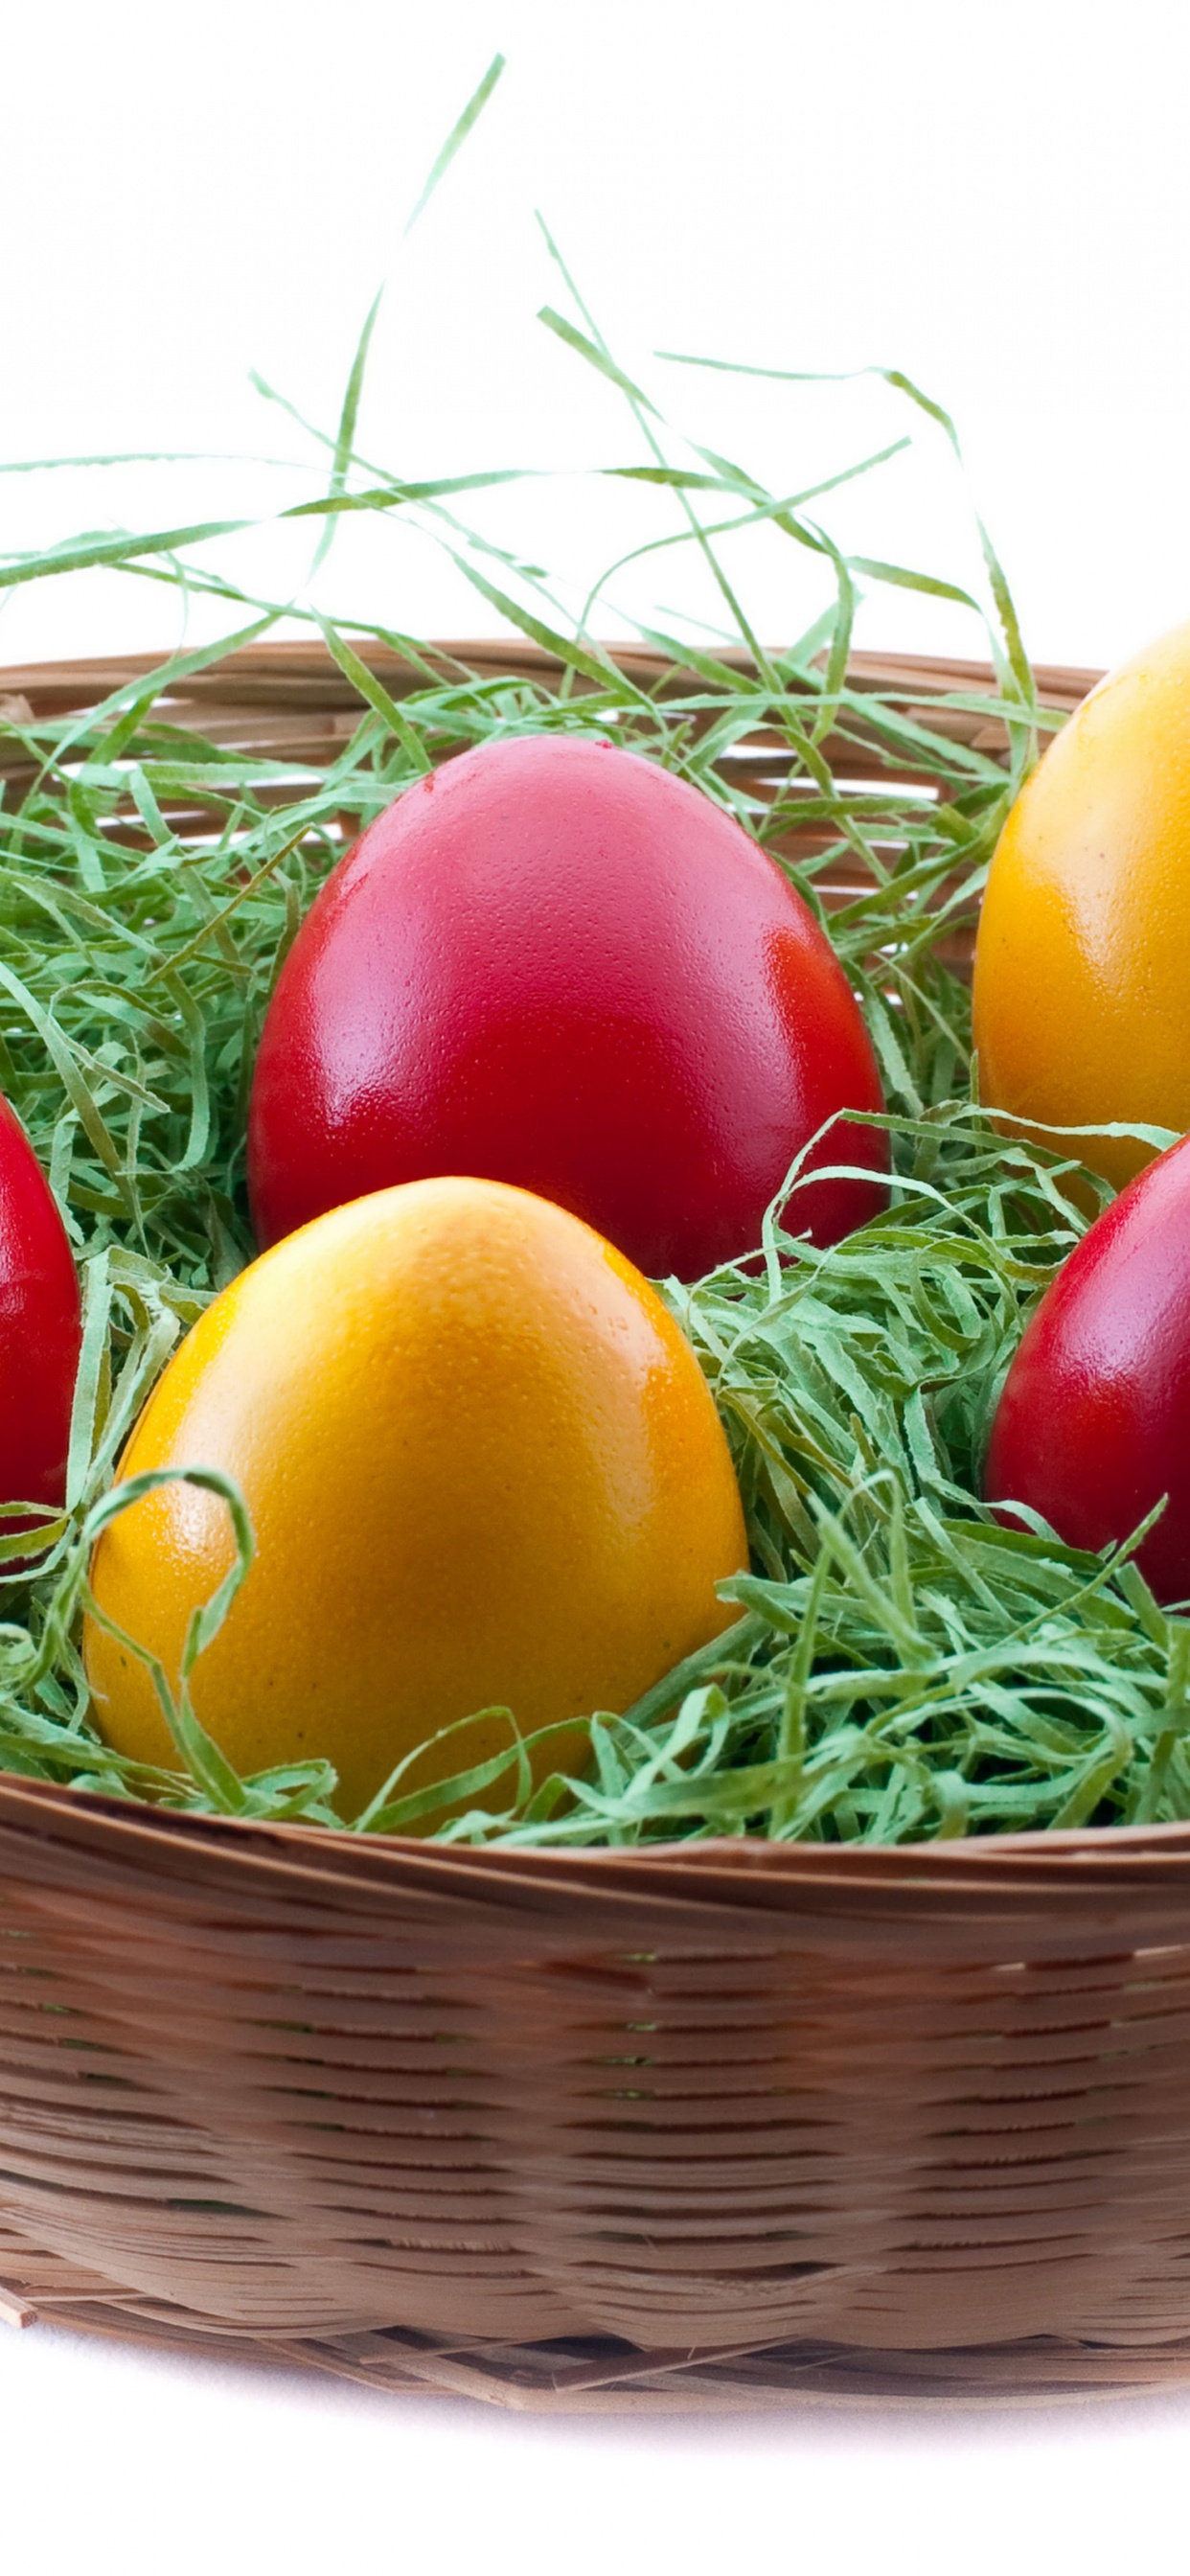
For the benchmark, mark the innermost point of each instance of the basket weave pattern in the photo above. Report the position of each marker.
(844, 2116)
(722, 2125)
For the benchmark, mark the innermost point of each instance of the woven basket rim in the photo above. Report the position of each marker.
(1019, 1859)
(488, 653)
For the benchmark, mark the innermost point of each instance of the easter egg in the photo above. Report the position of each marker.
(484, 1471)
(1093, 1425)
(553, 963)
(39, 1328)
(1081, 1001)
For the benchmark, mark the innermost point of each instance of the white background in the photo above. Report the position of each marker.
(993, 199)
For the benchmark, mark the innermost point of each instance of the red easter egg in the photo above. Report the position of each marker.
(553, 963)
(1093, 1425)
(40, 1328)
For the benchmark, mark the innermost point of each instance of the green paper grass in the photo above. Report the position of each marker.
(901, 1667)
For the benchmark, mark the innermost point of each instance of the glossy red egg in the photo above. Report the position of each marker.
(1093, 1425)
(553, 963)
(39, 1328)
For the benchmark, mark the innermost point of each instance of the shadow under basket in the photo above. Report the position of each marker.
(728, 2125)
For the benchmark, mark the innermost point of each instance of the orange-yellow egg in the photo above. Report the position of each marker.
(1082, 1003)
(483, 1468)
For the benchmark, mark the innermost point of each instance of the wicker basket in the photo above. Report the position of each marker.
(726, 2125)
